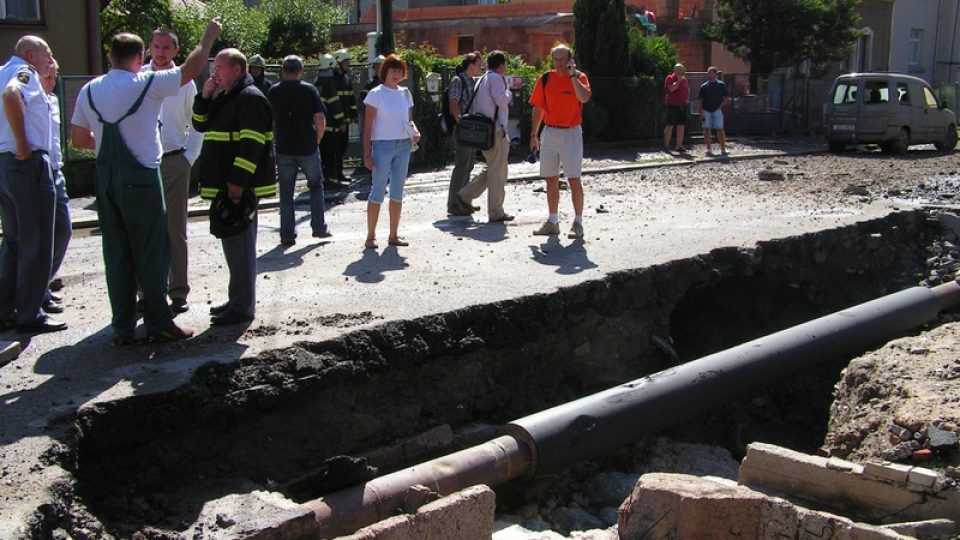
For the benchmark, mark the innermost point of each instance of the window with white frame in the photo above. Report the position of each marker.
(20, 10)
(916, 40)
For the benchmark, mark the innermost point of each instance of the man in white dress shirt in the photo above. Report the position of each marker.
(181, 146)
(493, 101)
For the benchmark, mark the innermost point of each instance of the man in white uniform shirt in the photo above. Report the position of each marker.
(27, 197)
(181, 146)
(63, 227)
(493, 101)
(118, 114)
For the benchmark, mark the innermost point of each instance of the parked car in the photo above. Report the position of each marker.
(890, 109)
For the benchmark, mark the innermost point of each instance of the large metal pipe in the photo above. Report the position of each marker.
(579, 429)
(492, 463)
(552, 439)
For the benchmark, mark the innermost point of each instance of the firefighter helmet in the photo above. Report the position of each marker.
(327, 62)
(341, 55)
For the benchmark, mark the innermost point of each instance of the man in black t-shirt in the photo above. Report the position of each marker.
(299, 122)
(713, 96)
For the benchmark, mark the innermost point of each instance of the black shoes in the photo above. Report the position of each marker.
(54, 297)
(287, 242)
(42, 326)
(179, 305)
(229, 316)
(51, 306)
(325, 233)
(171, 332)
(503, 219)
(220, 308)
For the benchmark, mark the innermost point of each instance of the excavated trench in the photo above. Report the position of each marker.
(273, 422)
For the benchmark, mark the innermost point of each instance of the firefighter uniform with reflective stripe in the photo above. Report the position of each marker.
(336, 118)
(348, 103)
(237, 149)
(237, 128)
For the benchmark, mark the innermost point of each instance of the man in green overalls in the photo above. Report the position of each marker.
(115, 114)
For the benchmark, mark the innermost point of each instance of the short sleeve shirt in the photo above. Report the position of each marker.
(463, 92)
(37, 111)
(294, 105)
(559, 102)
(114, 94)
(393, 112)
(679, 97)
(712, 94)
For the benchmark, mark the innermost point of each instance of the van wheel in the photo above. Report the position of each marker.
(949, 140)
(836, 146)
(900, 144)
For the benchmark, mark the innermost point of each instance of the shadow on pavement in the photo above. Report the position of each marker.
(465, 227)
(373, 265)
(569, 259)
(75, 375)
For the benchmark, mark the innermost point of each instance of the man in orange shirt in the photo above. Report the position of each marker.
(558, 105)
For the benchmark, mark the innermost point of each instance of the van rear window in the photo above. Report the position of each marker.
(845, 93)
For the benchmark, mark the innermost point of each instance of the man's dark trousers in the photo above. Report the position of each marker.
(27, 209)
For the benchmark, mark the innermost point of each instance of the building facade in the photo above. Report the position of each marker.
(71, 27)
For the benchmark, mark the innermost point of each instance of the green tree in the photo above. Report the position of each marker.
(243, 28)
(775, 33)
(139, 17)
(651, 56)
(299, 26)
(600, 36)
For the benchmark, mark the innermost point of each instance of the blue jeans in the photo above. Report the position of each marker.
(287, 167)
(390, 162)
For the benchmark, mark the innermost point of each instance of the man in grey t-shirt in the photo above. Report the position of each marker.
(460, 92)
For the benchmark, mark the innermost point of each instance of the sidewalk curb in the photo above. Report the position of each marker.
(274, 202)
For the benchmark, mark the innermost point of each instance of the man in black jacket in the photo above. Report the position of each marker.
(237, 157)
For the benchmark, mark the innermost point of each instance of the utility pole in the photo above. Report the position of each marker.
(385, 27)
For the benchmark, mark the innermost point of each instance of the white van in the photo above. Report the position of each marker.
(889, 109)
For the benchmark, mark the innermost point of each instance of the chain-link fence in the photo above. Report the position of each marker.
(622, 108)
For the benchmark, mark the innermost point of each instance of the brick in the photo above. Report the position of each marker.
(465, 515)
(890, 472)
(922, 478)
(838, 464)
(771, 468)
(672, 506)
(931, 528)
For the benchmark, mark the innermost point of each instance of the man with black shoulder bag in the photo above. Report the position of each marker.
(492, 100)
(459, 96)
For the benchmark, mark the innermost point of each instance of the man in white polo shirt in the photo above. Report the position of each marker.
(27, 197)
(181, 146)
(117, 114)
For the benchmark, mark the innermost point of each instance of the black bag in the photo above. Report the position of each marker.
(475, 130)
(445, 118)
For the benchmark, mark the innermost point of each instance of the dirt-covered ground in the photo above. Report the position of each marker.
(636, 216)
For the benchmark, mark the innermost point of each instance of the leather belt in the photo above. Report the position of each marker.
(174, 152)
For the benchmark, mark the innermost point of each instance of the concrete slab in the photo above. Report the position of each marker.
(9, 351)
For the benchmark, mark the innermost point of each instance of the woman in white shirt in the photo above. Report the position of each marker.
(389, 135)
